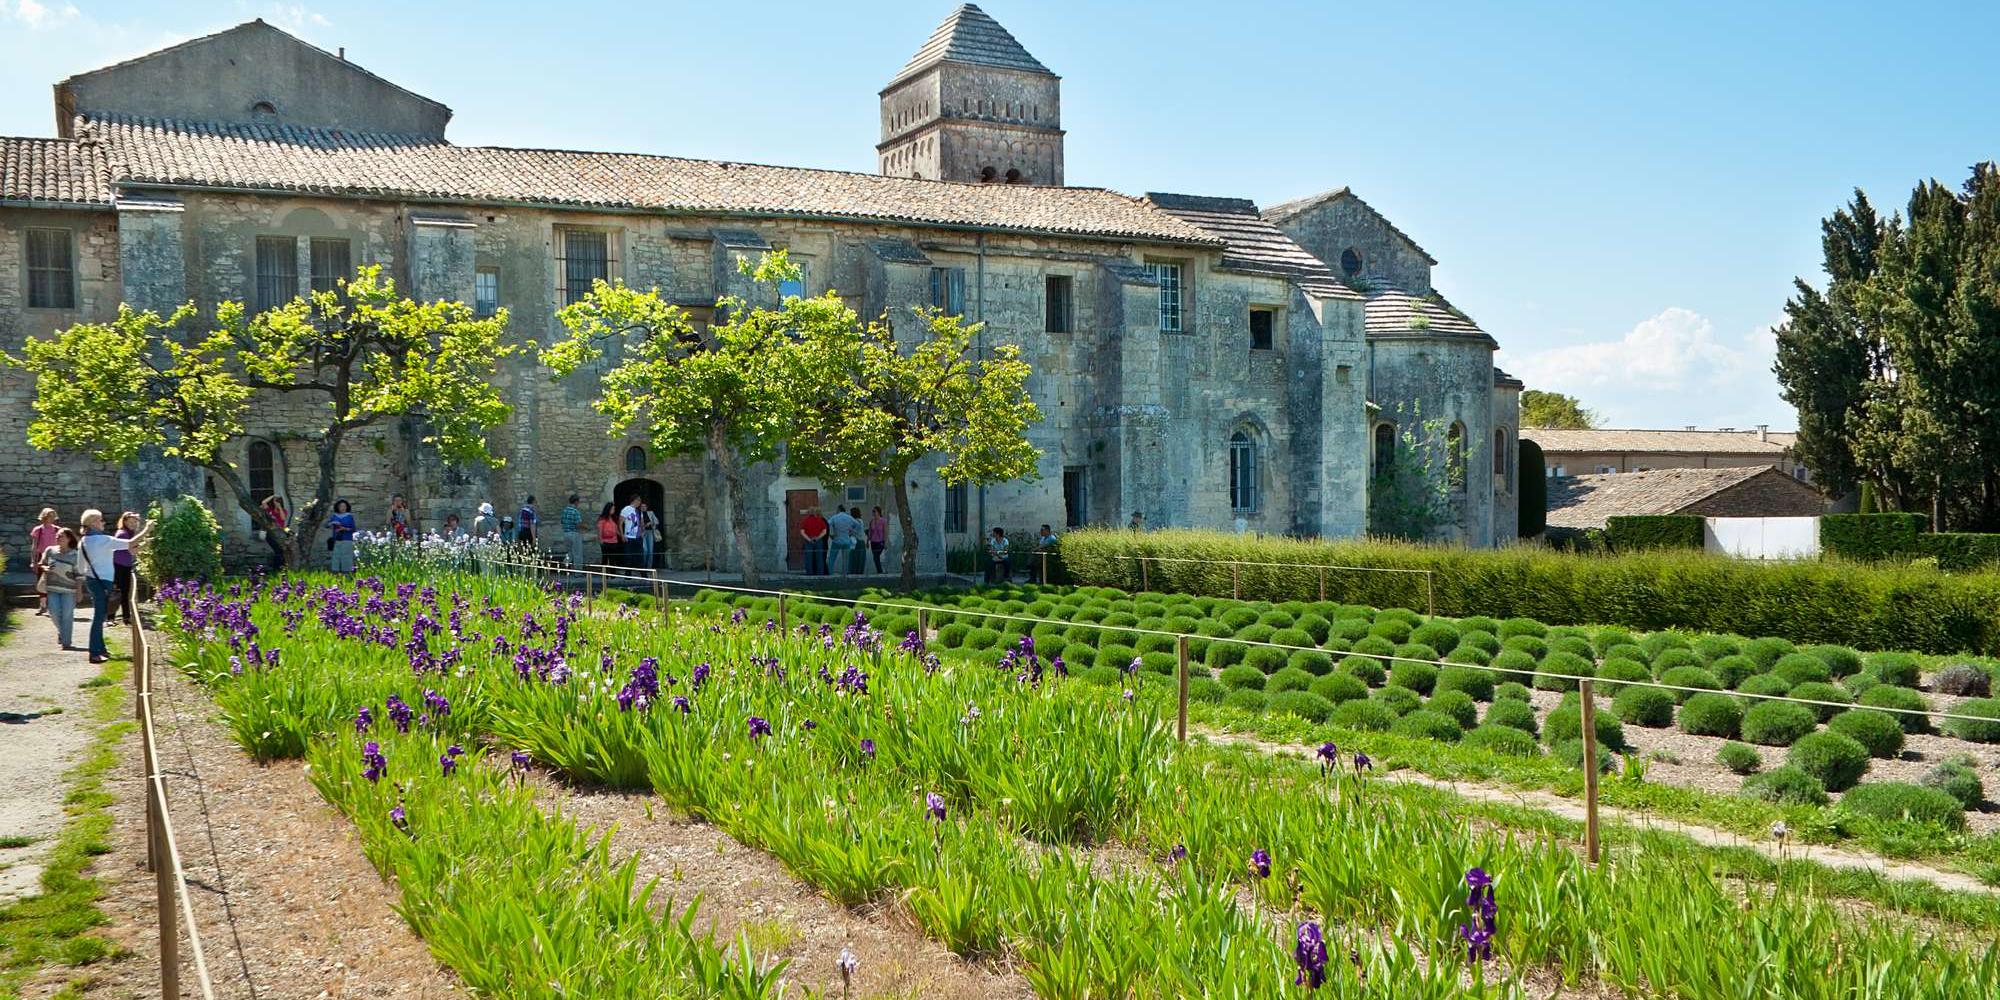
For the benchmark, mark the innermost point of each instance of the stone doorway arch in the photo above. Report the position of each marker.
(655, 496)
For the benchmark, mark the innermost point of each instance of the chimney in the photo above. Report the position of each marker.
(1763, 432)
(1689, 427)
(343, 53)
(1727, 430)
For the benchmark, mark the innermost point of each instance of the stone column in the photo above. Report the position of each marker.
(1346, 450)
(1133, 416)
(152, 268)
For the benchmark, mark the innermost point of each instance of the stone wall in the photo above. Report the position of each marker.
(1447, 379)
(1772, 494)
(1341, 223)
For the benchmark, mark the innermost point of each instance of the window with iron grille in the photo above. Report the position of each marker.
(486, 291)
(1076, 495)
(1242, 473)
(1169, 277)
(1056, 298)
(332, 263)
(954, 508)
(1261, 323)
(277, 271)
(948, 289)
(583, 258)
(51, 269)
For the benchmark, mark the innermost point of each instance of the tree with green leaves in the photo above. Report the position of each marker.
(1553, 409)
(726, 390)
(184, 386)
(883, 403)
(1409, 495)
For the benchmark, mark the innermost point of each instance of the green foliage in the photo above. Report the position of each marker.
(1766, 651)
(1512, 691)
(1558, 670)
(1836, 760)
(1910, 702)
(1893, 800)
(186, 544)
(1799, 668)
(1769, 685)
(1289, 679)
(1634, 532)
(1513, 715)
(1731, 671)
(1821, 691)
(1570, 752)
(1984, 729)
(1842, 661)
(1870, 537)
(1877, 731)
(1397, 699)
(1241, 677)
(1410, 496)
(1740, 758)
(1455, 705)
(1475, 682)
(1786, 786)
(1621, 669)
(1711, 715)
(1541, 408)
(1566, 723)
(1426, 724)
(1247, 699)
(1690, 677)
(1958, 779)
(1650, 707)
(1777, 723)
(1311, 661)
(1364, 716)
(1366, 669)
(1504, 740)
(1337, 688)
(1269, 659)
(1418, 677)
(1304, 704)
(1898, 669)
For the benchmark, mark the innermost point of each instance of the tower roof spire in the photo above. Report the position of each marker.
(970, 35)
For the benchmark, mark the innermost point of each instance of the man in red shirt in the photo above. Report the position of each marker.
(812, 528)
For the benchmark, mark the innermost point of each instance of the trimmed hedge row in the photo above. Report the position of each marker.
(1637, 532)
(1879, 537)
(1871, 607)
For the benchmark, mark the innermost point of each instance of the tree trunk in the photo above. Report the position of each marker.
(909, 529)
(277, 538)
(733, 503)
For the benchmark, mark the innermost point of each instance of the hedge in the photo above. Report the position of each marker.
(1889, 606)
(1893, 800)
(1870, 536)
(1634, 532)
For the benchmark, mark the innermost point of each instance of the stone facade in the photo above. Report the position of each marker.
(1242, 400)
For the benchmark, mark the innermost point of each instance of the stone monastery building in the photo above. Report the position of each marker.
(1197, 358)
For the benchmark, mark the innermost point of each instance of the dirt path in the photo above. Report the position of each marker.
(1572, 809)
(45, 729)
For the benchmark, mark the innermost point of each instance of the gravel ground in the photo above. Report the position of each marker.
(45, 726)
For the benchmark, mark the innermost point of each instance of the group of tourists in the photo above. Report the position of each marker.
(626, 535)
(1000, 556)
(843, 540)
(70, 561)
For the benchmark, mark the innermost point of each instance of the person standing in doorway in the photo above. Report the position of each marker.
(649, 531)
(631, 521)
(998, 570)
(341, 542)
(878, 536)
(843, 531)
(399, 518)
(96, 549)
(607, 535)
(572, 528)
(484, 524)
(1138, 522)
(58, 578)
(126, 575)
(40, 538)
(1045, 550)
(527, 523)
(812, 528)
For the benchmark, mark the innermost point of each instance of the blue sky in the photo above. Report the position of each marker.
(1620, 193)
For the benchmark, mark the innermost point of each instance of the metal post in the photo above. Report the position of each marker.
(1181, 643)
(1589, 703)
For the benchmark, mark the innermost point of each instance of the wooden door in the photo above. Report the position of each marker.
(797, 502)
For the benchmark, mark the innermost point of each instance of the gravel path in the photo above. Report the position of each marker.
(45, 728)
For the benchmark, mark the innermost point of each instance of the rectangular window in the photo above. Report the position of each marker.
(954, 508)
(51, 269)
(331, 264)
(1076, 495)
(1056, 299)
(1169, 277)
(583, 259)
(948, 289)
(1261, 323)
(486, 291)
(277, 271)
(857, 494)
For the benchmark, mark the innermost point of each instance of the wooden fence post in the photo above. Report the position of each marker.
(1235, 581)
(1322, 583)
(923, 625)
(1589, 704)
(163, 883)
(1145, 578)
(1181, 644)
(783, 625)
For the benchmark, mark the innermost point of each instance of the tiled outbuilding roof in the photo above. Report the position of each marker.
(970, 35)
(1251, 244)
(279, 158)
(1697, 442)
(1392, 312)
(1586, 501)
(53, 171)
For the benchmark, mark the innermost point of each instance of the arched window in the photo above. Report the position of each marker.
(635, 459)
(1454, 443)
(986, 175)
(263, 110)
(1503, 459)
(1242, 473)
(1013, 176)
(1385, 448)
(263, 469)
(1350, 262)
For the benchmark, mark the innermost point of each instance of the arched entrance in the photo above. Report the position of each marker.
(652, 492)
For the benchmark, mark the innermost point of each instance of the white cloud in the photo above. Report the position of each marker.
(1668, 371)
(295, 18)
(36, 15)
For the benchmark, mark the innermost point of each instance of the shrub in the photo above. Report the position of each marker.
(1740, 758)
(1562, 663)
(1711, 715)
(1503, 740)
(1350, 629)
(1657, 643)
(1574, 645)
(1513, 715)
(1985, 729)
(1275, 619)
(1376, 646)
(1428, 725)
(1206, 689)
(1649, 707)
(1733, 670)
(1288, 679)
(1104, 676)
(1362, 716)
(1479, 639)
(1239, 618)
(1418, 677)
(1958, 778)
(1571, 752)
(1474, 681)
(1621, 669)
(1690, 677)
(1400, 700)
(1673, 659)
(1768, 650)
(1514, 665)
(1836, 760)
(1314, 626)
(1293, 637)
(1894, 800)
(1456, 705)
(1898, 669)
(1304, 704)
(1312, 661)
(952, 636)
(1522, 626)
(1336, 688)
(1821, 691)
(1247, 699)
(987, 638)
(1630, 532)
(1117, 655)
(1841, 660)
(1786, 786)
(1877, 731)
(1269, 659)
(1962, 680)
(186, 545)
(1715, 647)
(1871, 536)
(1566, 723)
(1160, 663)
(1469, 655)
(1123, 619)
(1394, 630)
(1628, 651)
(1416, 651)
(1777, 723)
(1885, 696)
(1802, 668)
(1771, 685)
(1532, 645)
(1436, 633)
(1366, 669)
(1606, 639)
(1079, 654)
(1511, 691)
(1240, 677)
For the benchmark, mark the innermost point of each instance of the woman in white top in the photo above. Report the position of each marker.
(59, 583)
(100, 574)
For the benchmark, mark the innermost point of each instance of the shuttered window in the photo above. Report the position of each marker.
(948, 289)
(51, 269)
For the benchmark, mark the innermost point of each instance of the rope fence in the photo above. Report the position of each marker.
(172, 905)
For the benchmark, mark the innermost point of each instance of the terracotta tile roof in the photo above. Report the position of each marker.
(53, 171)
(1392, 312)
(1697, 442)
(1286, 210)
(280, 158)
(1585, 501)
(970, 35)
(1251, 244)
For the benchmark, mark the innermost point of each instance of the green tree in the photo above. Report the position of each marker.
(880, 404)
(722, 391)
(1409, 496)
(183, 386)
(1553, 409)
(1828, 351)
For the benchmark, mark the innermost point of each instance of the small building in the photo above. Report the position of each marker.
(1578, 502)
(1611, 450)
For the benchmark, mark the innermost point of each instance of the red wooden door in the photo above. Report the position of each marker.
(797, 502)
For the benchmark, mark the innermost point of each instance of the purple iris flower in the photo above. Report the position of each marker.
(759, 727)
(1132, 667)
(1362, 762)
(810, 725)
(1310, 954)
(934, 803)
(1478, 933)
(522, 760)
(868, 749)
(447, 763)
(1178, 854)
(398, 818)
(374, 765)
(1329, 758)
(364, 719)
(1260, 863)
(399, 713)
(681, 702)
